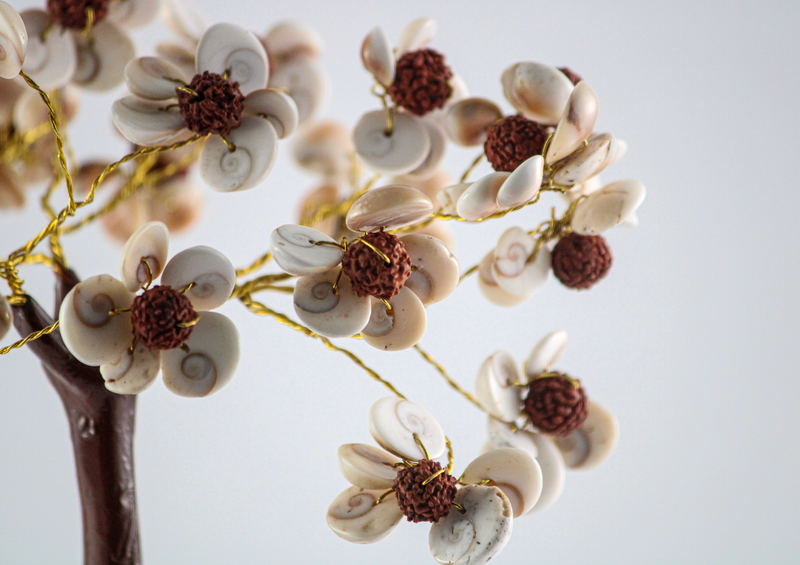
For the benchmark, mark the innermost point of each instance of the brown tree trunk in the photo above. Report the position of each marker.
(101, 427)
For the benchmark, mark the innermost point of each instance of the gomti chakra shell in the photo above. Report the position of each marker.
(275, 106)
(489, 287)
(593, 442)
(102, 59)
(401, 329)
(211, 272)
(13, 41)
(294, 250)
(149, 77)
(354, 516)
(367, 467)
(394, 421)
(540, 92)
(332, 315)
(377, 56)
(495, 388)
(132, 373)
(576, 124)
(468, 121)
(229, 47)
(390, 207)
(144, 122)
(324, 148)
(512, 470)
(305, 81)
(398, 152)
(210, 362)
(545, 354)
(512, 269)
(52, 62)
(477, 535)
(436, 271)
(608, 207)
(150, 243)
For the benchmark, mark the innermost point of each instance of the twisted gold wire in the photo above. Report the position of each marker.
(30, 337)
(255, 265)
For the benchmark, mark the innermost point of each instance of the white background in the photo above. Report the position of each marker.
(692, 340)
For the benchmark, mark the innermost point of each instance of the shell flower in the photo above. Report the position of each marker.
(554, 420)
(227, 98)
(13, 41)
(379, 284)
(168, 326)
(470, 524)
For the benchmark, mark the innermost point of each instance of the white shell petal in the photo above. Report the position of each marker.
(436, 271)
(294, 250)
(52, 62)
(489, 287)
(304, 80)
(417, 35)
(494, 387)
(545, 354)
(438, 139)
(148, 76)
(501, 435)
(553, 470)
(132, 374)
(90, 332)
(393, 423)
(468, 120)
(6, 316)
(402, 151)
(512, 470)
(211, 272)
(354, 516)
(512, 269)
(600, 152)
(540, 92)
(480, 199)
(377, 56)
(184, 18)
(448, 197)
(477, 535)
(592, 443)
(210, 362)
(523, 184)
(608, 207)
(576, 124)
(179, 55)
(332, 315)
(149, 243)
(13, 41)
(232, 48)
(288, 40)
(390, 207)
(130, 14)
(275, 106)
(401, 329)
(256, 144)
(102, 61)
(367, 467)
(143, 122)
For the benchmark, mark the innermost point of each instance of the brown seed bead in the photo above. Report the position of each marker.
(555, 406)
(155, 315)
(422, 82)
(427, 503)
(579, 261)
(369, 274)
(513, 140)
(216, 109)
(72, 13)
(571, 75)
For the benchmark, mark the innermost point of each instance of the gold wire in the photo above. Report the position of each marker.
(384, 96)
(468, 272)
(450, 455)
(228, 143)
(460, 508)
(187, 90)
(326, 211)
(555, 374)
(188, 287)
(375, 249)
(259, 283)
(421, 445)
(436, 474)
(436, 365)
(188, 324)
(35, 335)
(471, 168)
(87, 30)
(255, 265)
(149, 272)
(383, 496)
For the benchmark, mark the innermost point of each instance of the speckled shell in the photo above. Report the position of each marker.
(576, 124)
(389, 207)
(229, 47)
(211, 272)
(377, 56)
(513, 471)
(495, 387)
(210, 362)
(367, 467)
(393, 422)
(480, 199)
(477, 535)
(304, 80)
(600, 152)
(149, 243)
(5, 316)
(523, 184)
(143, 122)
(275, 106)
(290, 39)
(468, 120)
(401, 152)
(13, 41)
(129, 14)
(132, 374)
(354, 516)
(102, 60)
(417, 35)
(324, 148)
(332, 315)
(148, 77)
(540, 92)
(489, 287)
(90, 332)
(401, 329)
(608, 207)
(294, 250)
(52, 62)
(545, 354)
(436, 271)
(592, 443)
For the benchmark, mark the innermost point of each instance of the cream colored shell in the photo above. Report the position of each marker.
(495, 387)
(328, 313)
(304, 80)
(13, 41)
(291, 39)
(513, 270)
(468, 121)
(400, 329)
(367, 467)
(593, 442)
(389, 207)
(377, 56)
(576, 124)
(130, 14)
(417, 35)
(489, 287)
(5, 316)
(324, 148)
(436, 271)
(102, 60)
(448, 197)
(152, 77)
(145, 122)
(607, 207)
(540, 92)
(132, 373)
(275, 106)
(232, 48)
(480, 199)
(150, 244)
(438, 139)
(393, 423)
(211, 274)
(600, 152)
(52, 62)
(512, 470)
(398, 152)
(354, 516)
(545, 354)
(295, 251)
(523, 184)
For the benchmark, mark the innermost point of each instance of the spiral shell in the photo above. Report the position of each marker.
(523, 184)
(52, 62)
(144, 122)
(354, 516)
(149, 77)
(480, 199)
(468, 121)
(275, 106)
(400, 329)
(150, 243)
(102, 59)
(593, 442)
(229, 47)
(305, 82)
(436, 271)
(512, 470)
(608, 207)
(210, 361)
(367, 467)
(256, 144)
(600, 152)
(388, 207)
(513, 270)
(489, 287)
(496, 387)
(132, 373)
(576, 124)
(13, 41)
(393, 423)
(545, 354)
(295, 251)
(377, 56)
(398, 152)
(417, 35)
(5, 316)
(327, 313)
(212, 274)
(129, 14)
(540, 92)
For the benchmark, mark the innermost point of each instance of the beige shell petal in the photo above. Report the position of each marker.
(600, 152)
(377, 56)
(540, 92)
(576, 124)
(495, 387)
(438, 139)
(132, 373)
(367, 467)
(184, 18)
(324, 148)
(354, 516)
(5, 316)
(129, 14)
(468, 120)
(232, 48)
(398, 152)
(394, 423)
(512, 470)
(13, 41)
(608, 207)
(52, 62)
(210, 273)
(553, 471)
(523, 184)
(512, 269)
(436, 271)
(545, 354)
(489, 287)
(178, 54)
(144, 122)
(150, 244)
(389, 207)
(296, 251)
(417, 35)
(275, 106)
(449, 196)
(327, 312)
(593, 442)
(305, 81)
(102, 60)
(401, 329)
(480, 199)
(287, 40)
(151, 77)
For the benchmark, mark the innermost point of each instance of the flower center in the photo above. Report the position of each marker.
(75, 14)
(427, 502)
(365, 264)
(211, 104)
(162, 318)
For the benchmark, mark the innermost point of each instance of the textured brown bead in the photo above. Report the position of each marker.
(368, 272)
(422, 82)
(427, 503)
(216, 109)
(579, 261)
(155, 315)
(513, 140)
(555, 406)
(571, 75)
(72, 13)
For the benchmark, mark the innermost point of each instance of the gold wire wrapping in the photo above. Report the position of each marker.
(35, 335)
(255, 265)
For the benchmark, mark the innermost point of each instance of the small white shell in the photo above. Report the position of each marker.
(294, 250)
(102, 60)
(540, 92)
(132, 374)
(512, 470)
(6, 316)
(480, 199)
(130, 14)
(389, 207)
(147, 77)
(211, 272)
(287, 40)
(232, 48)
(324, 148)
(210, 362)
(51, 63)
(354, 516)
(377, 56)
(512, 269)
(523, 184)
(304, 80)
(367, 467)
(144, 122)
(477, 535)
(501, 435)
(149, 243)
(330, 314)
(448, 197)
(600, 152)
(436, 271)
(256, 144)
(417, 35)
(593, 442)
(275, 106)
(576, 124)
(393, 423)
(401, 329)
(607, 207)
(184, 18)
(489, 287)
(438, 139)
(13, 41)
(553, 470)
(402, 151)
(545, 354)
(91, 333)
(495, 387)
(468, 120)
